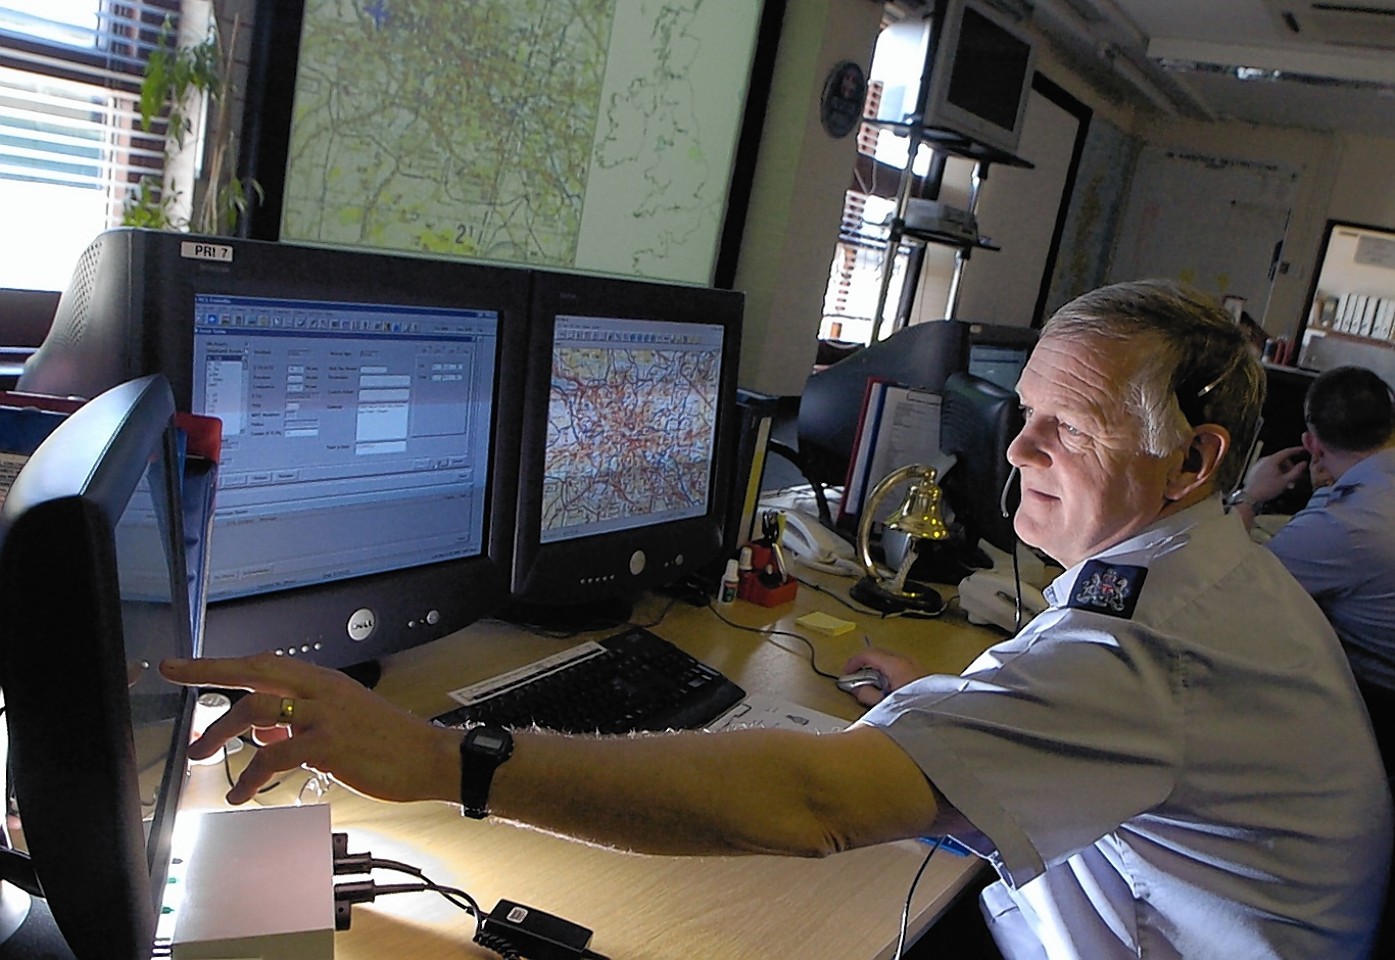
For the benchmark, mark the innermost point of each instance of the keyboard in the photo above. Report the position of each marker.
(631, 681)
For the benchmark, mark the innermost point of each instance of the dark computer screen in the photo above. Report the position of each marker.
(998, 364)
(989, 73)
(923, 356)
(369, 408)
(628, 436)
(977, 422)
(92, 596)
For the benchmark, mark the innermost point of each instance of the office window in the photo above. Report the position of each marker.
(71, 145)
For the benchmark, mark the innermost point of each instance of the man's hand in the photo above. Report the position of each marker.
(897, 669)
(1272, 475)
(336, 726)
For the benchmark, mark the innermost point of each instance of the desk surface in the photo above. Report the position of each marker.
(643, 907)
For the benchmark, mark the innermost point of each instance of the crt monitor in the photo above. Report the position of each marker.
(978, 420)
(629, 434)
(365, 490)
(92, 597)
(965, 69)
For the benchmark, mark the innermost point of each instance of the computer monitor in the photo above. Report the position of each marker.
(923, 356)
(978, 420)
(92, 597)
(366, 486)
(965, 69)
(628, 445)
(1282, 425)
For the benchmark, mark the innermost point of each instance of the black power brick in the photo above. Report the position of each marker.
(513, 930)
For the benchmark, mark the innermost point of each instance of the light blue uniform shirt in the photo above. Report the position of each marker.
(1181, 769)
(1341, 547)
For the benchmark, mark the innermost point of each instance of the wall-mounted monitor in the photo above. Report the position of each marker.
(92, 596)
(628, 437)
(366, 485)
(964, 69)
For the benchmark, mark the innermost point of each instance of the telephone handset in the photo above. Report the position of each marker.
(816, 546)
(991, 597)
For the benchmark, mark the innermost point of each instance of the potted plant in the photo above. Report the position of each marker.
(179, 83)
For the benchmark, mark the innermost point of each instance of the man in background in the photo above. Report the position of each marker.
(1341, 546)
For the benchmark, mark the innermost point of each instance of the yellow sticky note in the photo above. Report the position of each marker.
(823, 623)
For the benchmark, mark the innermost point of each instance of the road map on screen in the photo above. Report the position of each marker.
(631, 428)
(594, 134)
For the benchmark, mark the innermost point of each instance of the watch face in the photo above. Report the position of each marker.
(488, 740)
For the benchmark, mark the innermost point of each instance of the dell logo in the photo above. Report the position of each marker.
(362, 623)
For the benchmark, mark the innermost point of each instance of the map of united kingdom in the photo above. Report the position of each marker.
(548, 132)
(650, 417)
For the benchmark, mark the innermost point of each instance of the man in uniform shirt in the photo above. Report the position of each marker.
(1341, 546)
(1170, 761)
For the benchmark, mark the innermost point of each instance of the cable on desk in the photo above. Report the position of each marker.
(663, 614)
(227, 768)
(855, 608)
(910, 894)
(868, 611)
(511, 930)
(769, 634)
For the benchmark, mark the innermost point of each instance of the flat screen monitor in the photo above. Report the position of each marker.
(365, 493)
(629, 437)
(1282, 425)
(999, 364)
(978, 420)
(923, 356)
(92, 596)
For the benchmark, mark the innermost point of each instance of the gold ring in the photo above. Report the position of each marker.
(287, 712)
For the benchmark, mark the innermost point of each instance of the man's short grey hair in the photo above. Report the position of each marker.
(1194, 363)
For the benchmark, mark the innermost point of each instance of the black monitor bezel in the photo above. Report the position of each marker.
(979, 419)
(89, 349)
(597, 569)
(69, 717)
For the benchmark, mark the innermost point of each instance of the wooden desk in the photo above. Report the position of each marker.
(642, 907)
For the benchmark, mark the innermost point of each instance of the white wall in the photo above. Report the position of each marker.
(1314, 155)
(797, 194)
(1363, 184)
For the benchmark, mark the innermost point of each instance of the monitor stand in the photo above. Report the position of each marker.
(27, 930)
(366, 672)
(606, 614)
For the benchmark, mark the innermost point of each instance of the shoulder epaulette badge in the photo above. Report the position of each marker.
(1108, 588)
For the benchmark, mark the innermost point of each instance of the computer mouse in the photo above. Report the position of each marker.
(866, 677)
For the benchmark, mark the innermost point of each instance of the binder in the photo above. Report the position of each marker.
(898, 425)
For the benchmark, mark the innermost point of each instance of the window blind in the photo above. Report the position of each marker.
(70, 134)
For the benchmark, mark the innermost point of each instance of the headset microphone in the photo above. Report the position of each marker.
(1007, 491)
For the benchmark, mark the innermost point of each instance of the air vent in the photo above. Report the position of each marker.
(1367, 23)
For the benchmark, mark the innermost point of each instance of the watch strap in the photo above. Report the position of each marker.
(482, 750)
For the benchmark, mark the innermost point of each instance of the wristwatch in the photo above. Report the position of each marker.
(481, 751)
(1238, 497)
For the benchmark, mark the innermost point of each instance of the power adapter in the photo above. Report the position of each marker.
(511, 929)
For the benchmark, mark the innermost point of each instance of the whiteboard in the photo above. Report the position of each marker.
(1212, 222)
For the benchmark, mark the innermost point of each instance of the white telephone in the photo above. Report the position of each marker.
(816, 546)
(990, 596)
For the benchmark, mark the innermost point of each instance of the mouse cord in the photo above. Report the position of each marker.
(770, 636)
(906, 910)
